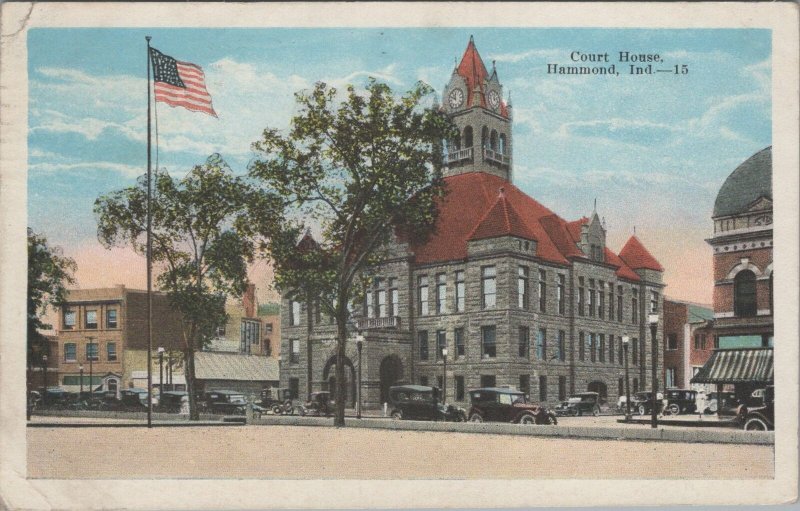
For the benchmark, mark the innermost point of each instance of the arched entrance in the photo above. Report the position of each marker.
(600, 388)
(391, 371)
(329, 375)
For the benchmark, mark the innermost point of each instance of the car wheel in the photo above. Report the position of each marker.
(475, 417)
(276, 410)
(596, 411)
(397, 415)
(755, 424)
(642, 410)
(527, 419)
(552, 420)
(674, 409)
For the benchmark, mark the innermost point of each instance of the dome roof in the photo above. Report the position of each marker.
(749, 182)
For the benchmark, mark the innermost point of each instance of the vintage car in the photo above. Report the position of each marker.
(494, 404)
(133, 399)
(277, 399)
(730, 403)
(578, 404)
(319, 403)
(760, 417)
(681, 401)
(229, 402)
(419, 402)
(642, 402)
(171, 401)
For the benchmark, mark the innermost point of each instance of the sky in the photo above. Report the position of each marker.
(653, 150)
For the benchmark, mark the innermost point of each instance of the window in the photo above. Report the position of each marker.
(394, 298)
(69, 320)
(635, 351)
(562, 298)
(91, 319)
(460, 288)
(440, 383)
(635, 306)
(602, 347)
(636, 385)
(619, 304)
(591, 298)
(699, 342)
(294, 388)
(423, 380)
(611, 301)
(744, 294)
(369, 306)
(382, 311)
(488, 342)
(620, 348)
(562, 388)
(294, 351)
(621, 387)
(70, 352)
(422, 338)
(317, 311)
(610, 349)
(669, 377)
(653, 302)
(525, 384)
(522, 287)
(488, 380)
(458, 333)
(592, 351)
(111, 351)
(489, 286)
(601, 300)
(562, 345)
(91, 352)
(580, 296)
(541, 344)
(441, 343)
(111, 318)
(459, 388)
(524, 341)
(672, 342)
(542, 388)
(581, 346)
(294, 313)
(220, 331)
(441, 293)
(542, 291)
(422, 295)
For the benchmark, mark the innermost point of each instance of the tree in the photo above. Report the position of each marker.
(49, 274)
(198, 245)
(361, 169)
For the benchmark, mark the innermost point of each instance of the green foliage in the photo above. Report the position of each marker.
(49, 274)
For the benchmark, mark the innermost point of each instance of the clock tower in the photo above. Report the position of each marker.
(474, 100)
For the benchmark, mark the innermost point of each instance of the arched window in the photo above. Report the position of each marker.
(493, 141)
(455, 144)
(502, 148)
(484, 136)
(744, 294)
(467, 137)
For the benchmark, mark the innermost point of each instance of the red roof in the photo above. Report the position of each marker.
(574, 228)
(478, 205)
(474, 72)
(307, 243)
(637, 257)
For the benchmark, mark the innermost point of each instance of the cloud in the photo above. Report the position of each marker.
(527, 55)
(131, 171)
(633, 131)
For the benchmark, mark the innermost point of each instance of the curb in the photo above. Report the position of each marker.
(584, 432)
(160, 424)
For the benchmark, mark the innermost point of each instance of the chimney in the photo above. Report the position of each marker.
(249, 300)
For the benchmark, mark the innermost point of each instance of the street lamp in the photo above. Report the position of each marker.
(444, 377)
(359, 345)
(44, 378)
(625, 341)
(80, 370)
(160, 372)
(652, 319)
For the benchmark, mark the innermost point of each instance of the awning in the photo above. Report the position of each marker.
(741, 365)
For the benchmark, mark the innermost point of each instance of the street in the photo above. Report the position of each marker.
(324, 452)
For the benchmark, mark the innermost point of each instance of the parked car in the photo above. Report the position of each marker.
(57, 398)
(760, 417)
(319, 403)
(730, 403)
(681, 401)
(171, 401)
(133, 399)
(419, 402)
(642, 402)
(506, 405)
(277, 399)
(229, 402)
(578, 404)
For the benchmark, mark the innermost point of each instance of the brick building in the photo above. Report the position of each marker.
(519, 296)
(684, 325)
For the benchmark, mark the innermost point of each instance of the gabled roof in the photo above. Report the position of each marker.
(558, 230)
(474, 73)
(623, 270)
(501, 220)
(307, 243)
(574, 228)
(637, 257)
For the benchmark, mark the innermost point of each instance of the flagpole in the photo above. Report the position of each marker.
(149, 258)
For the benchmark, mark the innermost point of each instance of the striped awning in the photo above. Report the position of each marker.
(742, 365)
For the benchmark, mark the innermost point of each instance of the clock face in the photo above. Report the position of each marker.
(494, 99)
(456, 98)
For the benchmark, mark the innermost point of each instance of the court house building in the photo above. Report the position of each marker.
(505, 290)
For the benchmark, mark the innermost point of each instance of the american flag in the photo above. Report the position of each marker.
(179, 83)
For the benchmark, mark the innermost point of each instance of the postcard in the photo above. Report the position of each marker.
(405, 255)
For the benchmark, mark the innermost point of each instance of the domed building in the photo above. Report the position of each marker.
(742, 245)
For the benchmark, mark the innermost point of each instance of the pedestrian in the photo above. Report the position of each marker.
(701, 402)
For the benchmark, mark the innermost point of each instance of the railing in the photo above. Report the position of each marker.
(461, 154)
(370, 323)
(491, 155)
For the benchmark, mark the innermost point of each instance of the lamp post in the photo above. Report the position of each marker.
(652, 319)
(625, 341)
(169, 370)
(160, 372)
(444, 376)
(359, 345)
(80, 370)
(44, 378)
